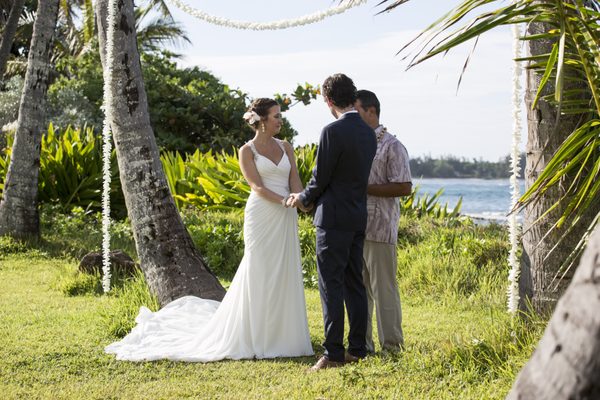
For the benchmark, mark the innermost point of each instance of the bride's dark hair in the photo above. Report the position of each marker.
(261, 106)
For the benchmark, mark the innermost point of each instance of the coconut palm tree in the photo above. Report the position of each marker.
(76, 30)
(8, 34)
(172, 265)
(565, 363)
(563, 94)
(18, 208)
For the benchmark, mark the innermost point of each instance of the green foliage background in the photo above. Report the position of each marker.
(71, 176)
(190, 109)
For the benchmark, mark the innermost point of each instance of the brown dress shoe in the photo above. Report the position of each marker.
(325, 362)
(349, 358)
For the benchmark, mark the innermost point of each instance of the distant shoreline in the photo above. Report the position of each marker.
(448, 167)
(485, 201)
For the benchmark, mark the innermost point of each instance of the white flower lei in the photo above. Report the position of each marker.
(107, 145)
(273, 25)
(513, 226)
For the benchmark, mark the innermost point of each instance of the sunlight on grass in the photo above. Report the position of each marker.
(56, 347)
(460, 342)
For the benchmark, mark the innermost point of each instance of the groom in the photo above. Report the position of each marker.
(338, 190)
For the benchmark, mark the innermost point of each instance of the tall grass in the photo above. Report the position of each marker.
(454, 259)
(79, 232)
(119, 316)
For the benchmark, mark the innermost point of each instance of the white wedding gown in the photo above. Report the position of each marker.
(263, 314)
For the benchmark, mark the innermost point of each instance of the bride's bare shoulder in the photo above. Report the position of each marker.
(246, 151)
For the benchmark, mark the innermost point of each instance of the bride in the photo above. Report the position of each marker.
(263, 315)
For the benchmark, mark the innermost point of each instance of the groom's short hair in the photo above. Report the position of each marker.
(368, 99)
(340, 90)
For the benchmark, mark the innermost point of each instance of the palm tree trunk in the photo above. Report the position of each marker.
(172, 265)
(566, 362)
(540, 283)
(9, 34)
(18, 208)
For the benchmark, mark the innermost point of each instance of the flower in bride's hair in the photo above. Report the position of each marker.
(251, 117)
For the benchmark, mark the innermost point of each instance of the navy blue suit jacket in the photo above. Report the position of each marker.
(338, 187)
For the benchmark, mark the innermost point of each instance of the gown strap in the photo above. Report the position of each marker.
(253, 149)
(280, 143)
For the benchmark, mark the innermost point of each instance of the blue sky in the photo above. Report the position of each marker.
(420, 106)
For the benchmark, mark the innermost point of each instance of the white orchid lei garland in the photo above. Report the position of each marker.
(107, 145)
(513, 290)
(273, 25)
(513, 226)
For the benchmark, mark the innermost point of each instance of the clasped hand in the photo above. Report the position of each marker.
(293, 200)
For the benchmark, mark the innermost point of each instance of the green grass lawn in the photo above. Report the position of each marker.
(51, 346)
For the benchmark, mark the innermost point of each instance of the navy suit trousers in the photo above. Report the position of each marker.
(339, 264)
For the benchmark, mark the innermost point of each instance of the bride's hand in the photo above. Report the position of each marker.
(293, 200)
(289, 201)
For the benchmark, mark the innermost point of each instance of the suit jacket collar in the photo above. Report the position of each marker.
(349, 114)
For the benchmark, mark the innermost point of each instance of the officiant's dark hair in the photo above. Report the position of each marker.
(261, 106)
(368, 99)
(340, 90)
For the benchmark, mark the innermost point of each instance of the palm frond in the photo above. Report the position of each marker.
(88, 21)
(161, 31)
(160, 6)
(570, 72)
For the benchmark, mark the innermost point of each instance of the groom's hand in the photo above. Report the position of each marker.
(294, 201)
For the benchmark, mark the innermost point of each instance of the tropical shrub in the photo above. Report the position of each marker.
(71, 176)
(306, 235)
(78, 86)
(70, 107)
(434, 257)
(428, 205)
(206, 180)
(10, 97)
(75, 233)
(71, 170)
(219, 236)
(9, 245)
(306, 158)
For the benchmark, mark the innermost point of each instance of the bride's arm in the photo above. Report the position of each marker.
(253, 177)
(295, 182)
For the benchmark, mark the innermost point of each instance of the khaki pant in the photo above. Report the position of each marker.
(379, 274)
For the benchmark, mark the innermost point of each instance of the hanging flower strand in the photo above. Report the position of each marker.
(107, 144)
(108, 77)
(513, 226)
(273, 25)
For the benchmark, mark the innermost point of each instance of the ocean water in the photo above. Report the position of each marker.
(487, 199)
